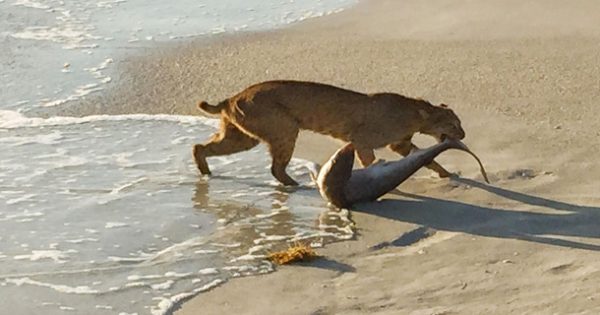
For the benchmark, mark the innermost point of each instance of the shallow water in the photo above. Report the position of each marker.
(58, 51)
(108, 213)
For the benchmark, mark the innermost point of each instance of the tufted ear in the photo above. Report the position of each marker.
(424, 114)
(443, 105)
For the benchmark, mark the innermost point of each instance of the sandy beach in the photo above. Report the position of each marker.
(524, 77)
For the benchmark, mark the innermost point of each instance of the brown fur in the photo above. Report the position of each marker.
(275, 111)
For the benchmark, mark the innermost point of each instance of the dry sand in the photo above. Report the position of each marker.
(524, 76)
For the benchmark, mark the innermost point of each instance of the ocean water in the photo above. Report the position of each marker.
(108, 214)
(56, 51)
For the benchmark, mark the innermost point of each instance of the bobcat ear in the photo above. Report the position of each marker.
(443, 105)
(424, 114)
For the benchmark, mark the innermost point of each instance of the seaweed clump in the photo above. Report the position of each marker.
(297, 252)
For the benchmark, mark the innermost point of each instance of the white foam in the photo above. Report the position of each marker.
(247, 257)
(163, 286)
(238, 195)
(137, 284)
(109, 4)
(24, 214)
(79, 92)
(30, 4)
(115, 225)
(268, 215)
(56, 255)
(126, 259)
(242, 268)
(147, 277)
(206, 251)
(12, 119)
(175, 249)
(49, 304)
(276, 237)
(101, 66)
(232, 245)
(177, 274)
(128, 185)
(256, 248)
(208, 271)
(86, 89)
(56, 287)
(82, 240)
(166, 305)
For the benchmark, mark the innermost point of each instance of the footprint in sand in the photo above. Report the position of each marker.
(520, 174)
(562, 268)
(415, 241)
(523, 173)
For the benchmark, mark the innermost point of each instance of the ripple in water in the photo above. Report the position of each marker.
(108, 214)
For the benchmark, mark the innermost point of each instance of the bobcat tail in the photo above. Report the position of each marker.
(217, 109)
(212, 109)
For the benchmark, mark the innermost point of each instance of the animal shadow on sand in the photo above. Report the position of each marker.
(571, 221)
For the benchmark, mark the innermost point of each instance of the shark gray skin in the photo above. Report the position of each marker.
(343, 187)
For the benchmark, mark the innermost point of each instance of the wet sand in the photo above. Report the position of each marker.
(524, 80)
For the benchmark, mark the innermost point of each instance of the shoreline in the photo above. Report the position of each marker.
(526, 90)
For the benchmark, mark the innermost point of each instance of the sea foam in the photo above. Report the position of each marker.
(13, 119)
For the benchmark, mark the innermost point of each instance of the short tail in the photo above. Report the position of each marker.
(212, 109)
